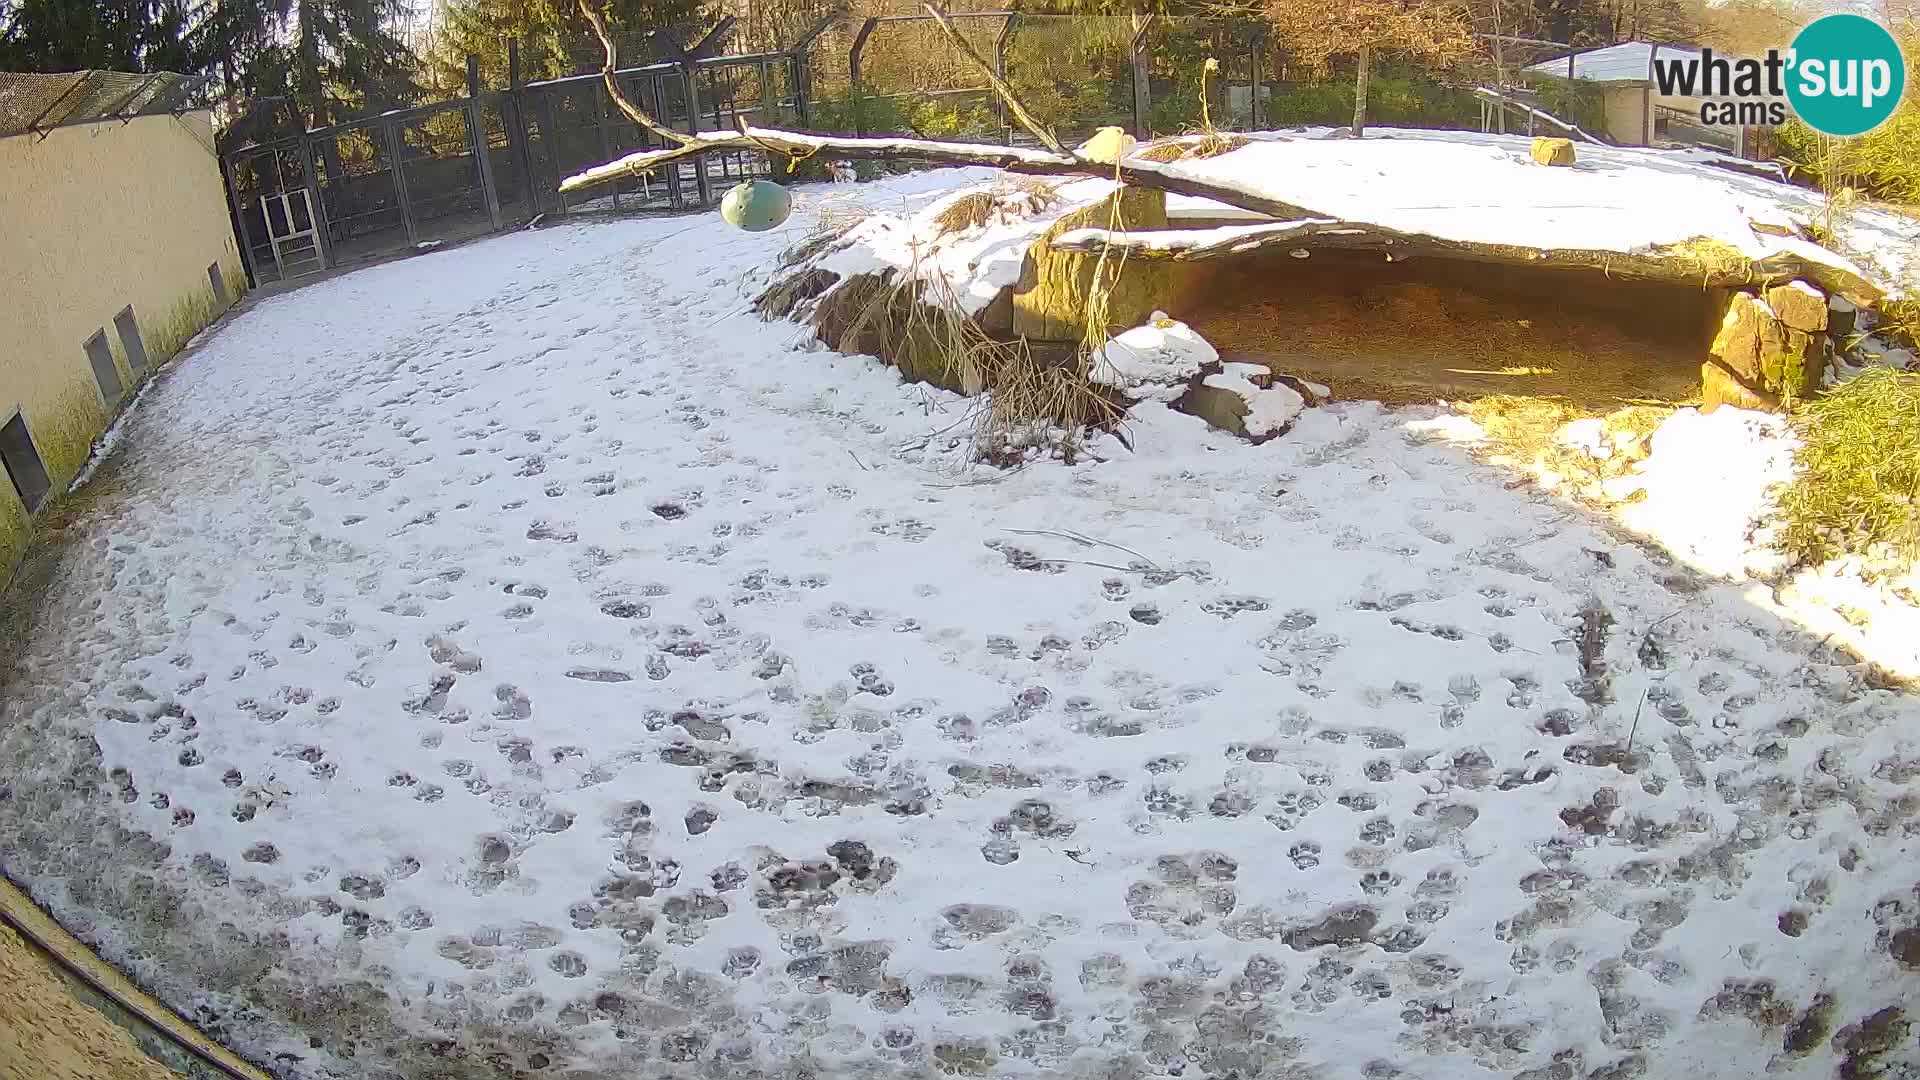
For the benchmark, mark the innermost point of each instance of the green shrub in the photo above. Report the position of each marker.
(1857, 482)
(1885, 162)
(1582, 103)
(1392, 101)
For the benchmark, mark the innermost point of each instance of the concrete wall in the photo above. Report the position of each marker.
(93, 218)
(1628, 120)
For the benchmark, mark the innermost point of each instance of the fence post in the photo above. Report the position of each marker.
(516, 124)
(600, 102)
(316, 207)
(478, 142)
(1259, 64)
(395, 144)
(700, 180)
(854, 91)
(240, 220)
(549, 136)
(1000, 69)
(1142, 86)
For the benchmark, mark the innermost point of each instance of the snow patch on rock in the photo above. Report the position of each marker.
(1269, 408)
(1154, 361)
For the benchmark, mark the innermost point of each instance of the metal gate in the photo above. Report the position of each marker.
(291, 231)
(282, 233)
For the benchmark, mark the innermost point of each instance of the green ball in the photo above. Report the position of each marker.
(756, 205)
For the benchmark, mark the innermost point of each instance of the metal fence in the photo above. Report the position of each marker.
(38, 104)
(494, 159)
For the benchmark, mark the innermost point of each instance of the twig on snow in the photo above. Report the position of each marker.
(1101, 565)
(1636, 719)
(994, 479)
(1085, 541)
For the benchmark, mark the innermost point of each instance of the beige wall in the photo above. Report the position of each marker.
(93, 218)
(1627, 115)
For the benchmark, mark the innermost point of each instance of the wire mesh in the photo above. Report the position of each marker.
(39, 103)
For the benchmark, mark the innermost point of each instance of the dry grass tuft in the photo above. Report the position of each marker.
(1034, 399)
(1031, 399)
(780, 299)
(1037, 187)
(832, 223)
(969, 211)
(1526, 430)
(1196, 147)
(1213, 144)
(1165, 151)
(1708, 256)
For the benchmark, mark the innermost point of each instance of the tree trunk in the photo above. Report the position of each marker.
(1360, 93)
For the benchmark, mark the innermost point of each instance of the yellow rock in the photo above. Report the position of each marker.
(1553, 151)
(1718, 387)
(1108, 145)
(1051, 298)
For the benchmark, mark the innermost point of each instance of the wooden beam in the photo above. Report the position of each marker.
(1675, 264)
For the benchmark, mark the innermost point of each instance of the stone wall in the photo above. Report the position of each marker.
(1771, 349)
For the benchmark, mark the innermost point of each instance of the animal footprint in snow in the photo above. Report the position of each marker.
(908, 529)
(443, 651)
(1525, 686)
(1289, 807)
(514, 704)
(1305, 855)
(542, 530)
(1226, 607)
(870, 680)
(1022, 559)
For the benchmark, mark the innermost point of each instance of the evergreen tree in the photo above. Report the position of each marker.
(109, 35)
(554, 39)
(315, 62)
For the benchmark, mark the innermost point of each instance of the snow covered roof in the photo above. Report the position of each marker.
(1627, 62)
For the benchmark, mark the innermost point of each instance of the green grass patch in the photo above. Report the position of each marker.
(1857, 485)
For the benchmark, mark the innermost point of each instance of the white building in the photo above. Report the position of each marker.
(1637, 113)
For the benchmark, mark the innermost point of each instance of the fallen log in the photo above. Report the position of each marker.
(799, 145)
(1704, 266)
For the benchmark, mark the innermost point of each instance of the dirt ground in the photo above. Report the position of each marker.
(58, 1025)
(1414, 331)
(46, 1034)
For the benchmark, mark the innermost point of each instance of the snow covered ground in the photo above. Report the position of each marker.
(520, 658)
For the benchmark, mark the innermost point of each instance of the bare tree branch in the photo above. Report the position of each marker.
(634, 112)
(999, 85)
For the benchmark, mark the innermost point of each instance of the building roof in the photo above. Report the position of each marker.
(1627, 62)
